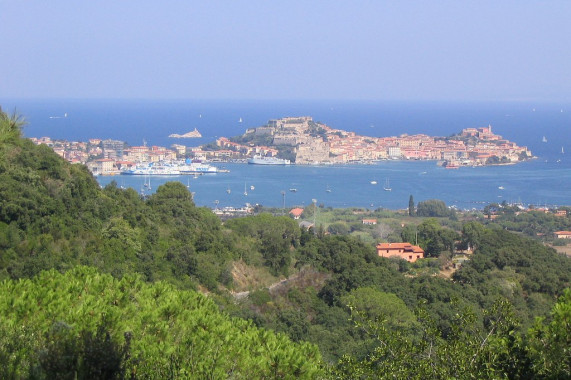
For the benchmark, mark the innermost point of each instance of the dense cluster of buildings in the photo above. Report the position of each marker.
(309, 142)
(110, 156)
(316, 143)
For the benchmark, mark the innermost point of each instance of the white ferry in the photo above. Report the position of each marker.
(197, 167)
(176, 168)
(262, 160)
(152, 169)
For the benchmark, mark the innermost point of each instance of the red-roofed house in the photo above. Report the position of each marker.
(405, 251)
(563, 234)
(296, 212)
(369, 222)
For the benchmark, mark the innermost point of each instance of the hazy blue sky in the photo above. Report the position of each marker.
(405, 50)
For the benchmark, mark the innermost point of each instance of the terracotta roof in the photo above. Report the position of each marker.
(393, 245)
(403, 246)
(296, 211)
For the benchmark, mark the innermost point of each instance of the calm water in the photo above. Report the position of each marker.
(543, 181)
(350, 185)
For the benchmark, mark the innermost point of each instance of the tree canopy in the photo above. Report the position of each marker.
(169, 333)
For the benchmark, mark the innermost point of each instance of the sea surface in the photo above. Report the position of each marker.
(545, 180)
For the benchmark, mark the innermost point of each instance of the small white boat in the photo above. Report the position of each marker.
(373, 182)
(500, 187)
(387, 186)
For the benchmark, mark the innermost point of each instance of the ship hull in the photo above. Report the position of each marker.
(257, 160)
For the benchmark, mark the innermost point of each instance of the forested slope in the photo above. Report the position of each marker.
(368, 315)
(54, 215)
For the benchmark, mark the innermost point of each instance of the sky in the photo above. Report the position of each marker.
(309, 49)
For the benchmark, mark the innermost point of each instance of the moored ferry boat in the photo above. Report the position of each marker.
(197, 167)
(175, 168)
(152, 169)
(262, 160)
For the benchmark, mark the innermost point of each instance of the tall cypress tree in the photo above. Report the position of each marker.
(411, 206)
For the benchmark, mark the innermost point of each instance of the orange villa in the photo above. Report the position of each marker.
(563, 234)
(405, 251)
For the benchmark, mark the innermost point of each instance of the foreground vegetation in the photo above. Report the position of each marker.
(96, 326)
(99, 283)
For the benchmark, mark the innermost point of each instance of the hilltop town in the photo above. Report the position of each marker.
(302, 141)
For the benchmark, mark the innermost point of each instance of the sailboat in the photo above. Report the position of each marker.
(562, 150)
(327, 190)
(245, 190)
(228, 190)
(387, 186)
(544, 139)
(147, 184)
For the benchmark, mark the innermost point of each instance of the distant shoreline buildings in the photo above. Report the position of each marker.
(303, 142)
(309, 142)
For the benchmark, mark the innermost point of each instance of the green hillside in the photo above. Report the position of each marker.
(91, 273)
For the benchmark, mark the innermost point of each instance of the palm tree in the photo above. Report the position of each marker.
(10, 126)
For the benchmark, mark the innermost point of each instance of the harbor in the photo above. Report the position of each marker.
(342, 186)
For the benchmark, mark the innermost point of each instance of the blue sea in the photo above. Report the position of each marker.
(543, 181)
